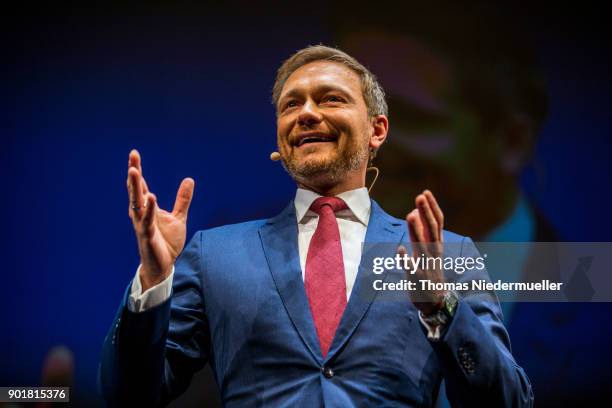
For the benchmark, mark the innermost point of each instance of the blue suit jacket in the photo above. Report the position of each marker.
(239, 303)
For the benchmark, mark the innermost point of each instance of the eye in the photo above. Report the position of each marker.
(333, 99)
(292, 103)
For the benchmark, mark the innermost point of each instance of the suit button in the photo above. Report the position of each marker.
(328, 372)
(466, 360)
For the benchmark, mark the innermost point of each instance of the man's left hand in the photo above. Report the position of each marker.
(425, 224)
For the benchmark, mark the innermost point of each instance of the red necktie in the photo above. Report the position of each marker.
(325, 282)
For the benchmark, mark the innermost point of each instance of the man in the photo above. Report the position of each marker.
(283, 308)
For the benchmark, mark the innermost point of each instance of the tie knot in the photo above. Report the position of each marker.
(335, 203)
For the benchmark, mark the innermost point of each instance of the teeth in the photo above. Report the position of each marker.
(315, 139)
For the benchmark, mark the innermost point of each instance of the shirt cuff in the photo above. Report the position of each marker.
(154, 296)
(433, 332)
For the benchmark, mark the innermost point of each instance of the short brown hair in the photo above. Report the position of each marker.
(373, 93)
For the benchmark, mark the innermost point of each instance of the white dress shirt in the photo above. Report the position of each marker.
(352, 223)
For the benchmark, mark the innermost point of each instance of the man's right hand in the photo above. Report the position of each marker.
(161, 234)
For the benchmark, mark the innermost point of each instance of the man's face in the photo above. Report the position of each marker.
(323, 128)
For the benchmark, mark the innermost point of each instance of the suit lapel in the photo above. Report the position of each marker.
(279, 240)
(383, 231)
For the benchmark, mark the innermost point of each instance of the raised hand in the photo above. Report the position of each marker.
(161, 234)
(425, 225)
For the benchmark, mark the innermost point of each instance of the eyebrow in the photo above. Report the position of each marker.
(323, 88)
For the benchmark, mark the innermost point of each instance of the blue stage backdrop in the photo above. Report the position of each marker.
(189, 86)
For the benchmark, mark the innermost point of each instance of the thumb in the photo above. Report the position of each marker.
(183, 198)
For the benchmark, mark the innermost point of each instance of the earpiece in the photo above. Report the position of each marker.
(373, 168)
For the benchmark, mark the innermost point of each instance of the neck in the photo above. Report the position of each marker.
(352, 181)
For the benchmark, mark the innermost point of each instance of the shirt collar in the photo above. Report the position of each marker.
(358, 202)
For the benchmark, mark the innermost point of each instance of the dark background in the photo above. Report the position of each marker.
(189, 86)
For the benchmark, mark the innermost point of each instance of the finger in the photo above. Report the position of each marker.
(149, 212)
(416, 224)
(415, 229)
(135, 192)
(183, 198)
(143, 185)
(439, 215)
(429, 221)
(402, 251)
(433, 203)
(134, 160)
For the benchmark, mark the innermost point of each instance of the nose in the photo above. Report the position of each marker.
(309, 115)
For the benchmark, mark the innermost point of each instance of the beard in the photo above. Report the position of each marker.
(330, 169)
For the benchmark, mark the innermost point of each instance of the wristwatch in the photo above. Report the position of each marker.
(445, 314)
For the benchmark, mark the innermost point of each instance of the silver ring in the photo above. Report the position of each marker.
(133, 207)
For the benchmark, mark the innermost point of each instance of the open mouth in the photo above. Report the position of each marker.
(315, 138)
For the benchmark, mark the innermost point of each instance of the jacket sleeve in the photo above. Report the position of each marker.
(149, 358)
(475, 354)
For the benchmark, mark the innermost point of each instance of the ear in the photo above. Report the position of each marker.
(380, 128)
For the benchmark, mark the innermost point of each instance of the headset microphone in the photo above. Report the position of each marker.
(275, 156)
